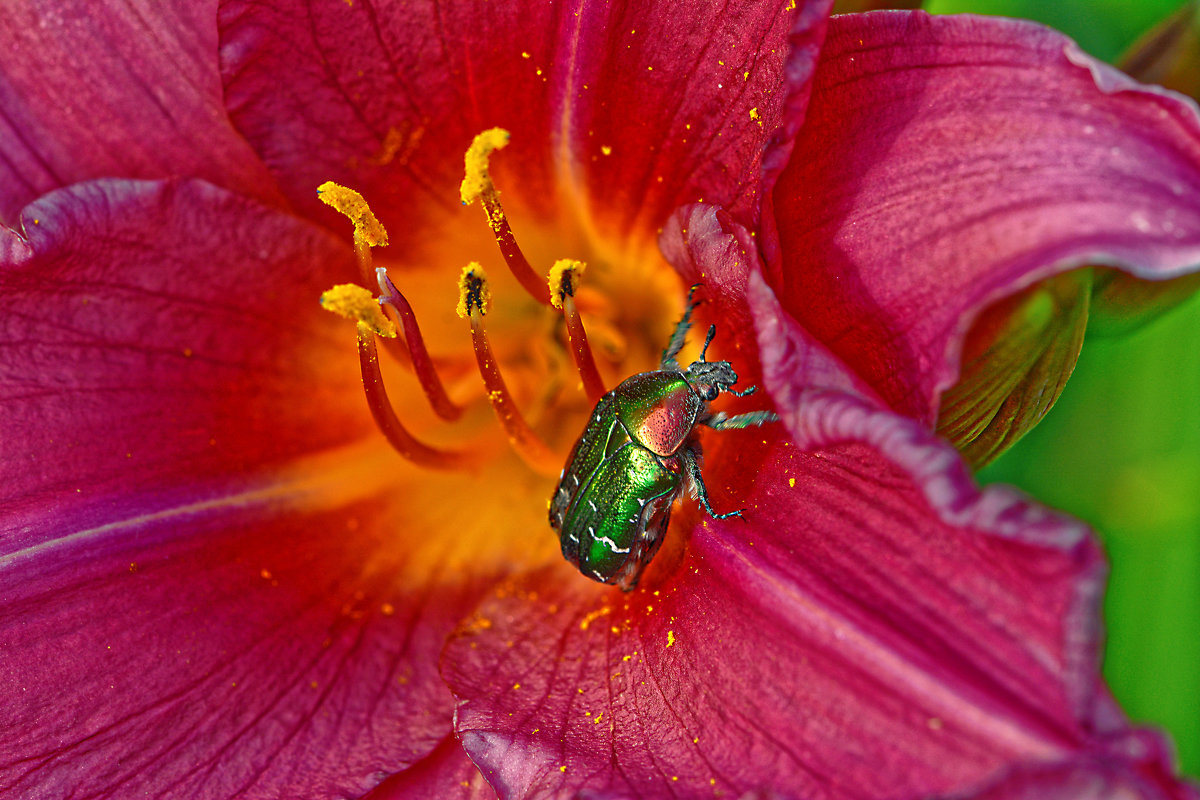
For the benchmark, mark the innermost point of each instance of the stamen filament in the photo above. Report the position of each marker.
(397, 435)
(477, 185)
(422, 364)
(564, 277)
(473, 302)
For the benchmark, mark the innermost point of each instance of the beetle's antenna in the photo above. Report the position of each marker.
(743, 393)
(712, 332)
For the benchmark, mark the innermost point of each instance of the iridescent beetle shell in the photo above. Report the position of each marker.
(638, 451)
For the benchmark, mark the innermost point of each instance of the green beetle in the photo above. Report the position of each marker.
(638, 451)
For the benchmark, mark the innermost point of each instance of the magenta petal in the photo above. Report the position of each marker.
(948, 161)
(618, 111)
(209, 586)
(1089, 778)
(707, 247)
(878, 629)
(446, 774)
(876, 626)
(245, 646)
(98, 89)
(160, 335)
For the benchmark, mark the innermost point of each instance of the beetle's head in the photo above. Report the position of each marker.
(710, 378)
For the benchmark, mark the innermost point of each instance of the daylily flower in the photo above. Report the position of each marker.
(219, 580)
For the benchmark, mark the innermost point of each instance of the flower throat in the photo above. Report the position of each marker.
(385, 315)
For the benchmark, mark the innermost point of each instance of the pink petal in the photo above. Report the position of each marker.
(1089, 778)
(446, 774)
(140, 351)
(860, 6)
(948, 161)
(876, 626)
(209, 587)
(858, 635)
(95, 89)
(251, 644)
(618, 112)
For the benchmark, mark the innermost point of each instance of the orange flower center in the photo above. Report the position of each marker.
(545, 350)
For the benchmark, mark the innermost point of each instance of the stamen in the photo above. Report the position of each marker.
(474, 298)
(358, 304)
(368, 233)
(422, 364)
(564, 278)
(477, 185)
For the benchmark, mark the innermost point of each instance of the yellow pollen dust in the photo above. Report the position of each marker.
(477, 181)
(473, 291)
(352, 204)
(564, 279)
(353, 302)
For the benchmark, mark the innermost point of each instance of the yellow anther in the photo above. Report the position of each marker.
(473, 291)
(349, 202)
(477, 181)
(564, 280)
(353, 302)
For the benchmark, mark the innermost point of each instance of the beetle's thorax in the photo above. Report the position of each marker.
(659, 409)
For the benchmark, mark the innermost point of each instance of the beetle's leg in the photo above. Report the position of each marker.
(744, 392)
(693, 467)
(723, 422)
(681, 330)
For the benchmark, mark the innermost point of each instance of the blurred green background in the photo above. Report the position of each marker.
(1121, 449)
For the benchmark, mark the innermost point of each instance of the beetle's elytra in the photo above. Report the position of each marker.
(637, 453)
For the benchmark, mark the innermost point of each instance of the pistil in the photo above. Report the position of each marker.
(474, 299)
(477, 185)
(564, 278)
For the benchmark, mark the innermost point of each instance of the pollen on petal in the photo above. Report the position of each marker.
(476, 180)
(564, 279)
(353, 302)
(352, 204)
(473, 291)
